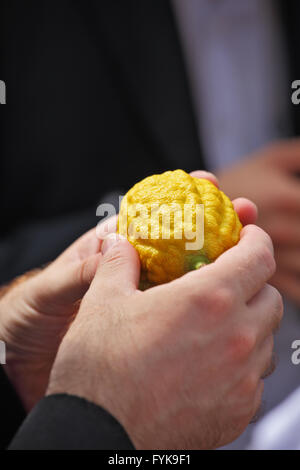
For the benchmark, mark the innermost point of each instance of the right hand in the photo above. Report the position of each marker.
(270, 178)
(179, 365)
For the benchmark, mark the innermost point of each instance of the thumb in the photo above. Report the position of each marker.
(62, 284)
(119, 269)
(246, 210)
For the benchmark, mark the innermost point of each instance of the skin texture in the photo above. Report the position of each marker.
(179, 365)
(270, 178)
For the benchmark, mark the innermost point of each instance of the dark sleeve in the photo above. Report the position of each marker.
(65, 422)
(12, 412)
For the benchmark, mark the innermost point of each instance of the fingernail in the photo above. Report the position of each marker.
(111, 240)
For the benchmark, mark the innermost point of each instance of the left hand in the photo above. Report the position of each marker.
(36, 311)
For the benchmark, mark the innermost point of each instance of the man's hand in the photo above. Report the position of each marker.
(35, 313)
(270, 178)
(37, 309)
(179, 365)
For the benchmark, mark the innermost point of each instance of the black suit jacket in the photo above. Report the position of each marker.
(57, 422)
(97, 98)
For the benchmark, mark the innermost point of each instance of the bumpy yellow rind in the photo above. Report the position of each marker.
(163, 260)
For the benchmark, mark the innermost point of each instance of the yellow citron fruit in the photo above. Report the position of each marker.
(160, 216)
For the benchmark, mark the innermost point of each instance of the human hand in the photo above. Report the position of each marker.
(179, 365)
(36, 310)
(270, 178)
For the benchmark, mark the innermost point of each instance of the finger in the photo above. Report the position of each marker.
(249, 265)
(272, 366)
(288, 284)
(106, 227)
(85, 246)
(119, 270)
(266, 311)
(265, 365)
(205, 175)
(90, 243)
(243, 269)
(61, 285)
(261, 365)
(257, 405)
(67, 279)
(246, 210)
(264, 358)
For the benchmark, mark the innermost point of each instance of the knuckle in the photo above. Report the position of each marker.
(245, 401)
(270, 345)
(83, 273)
(242, 418)
(267, 259)
(215, 305)
(114, 260)
(242, 344)
(276, 306)
(248, 386)
(220, 303)
(223, 300)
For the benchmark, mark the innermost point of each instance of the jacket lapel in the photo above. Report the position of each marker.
(143, 51)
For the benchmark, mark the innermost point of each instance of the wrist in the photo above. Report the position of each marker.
(74, 374)
(25, 332)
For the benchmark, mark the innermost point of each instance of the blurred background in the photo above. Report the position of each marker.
(103, 93)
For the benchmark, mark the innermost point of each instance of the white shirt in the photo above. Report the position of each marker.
(280, 429)
(235, 61)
